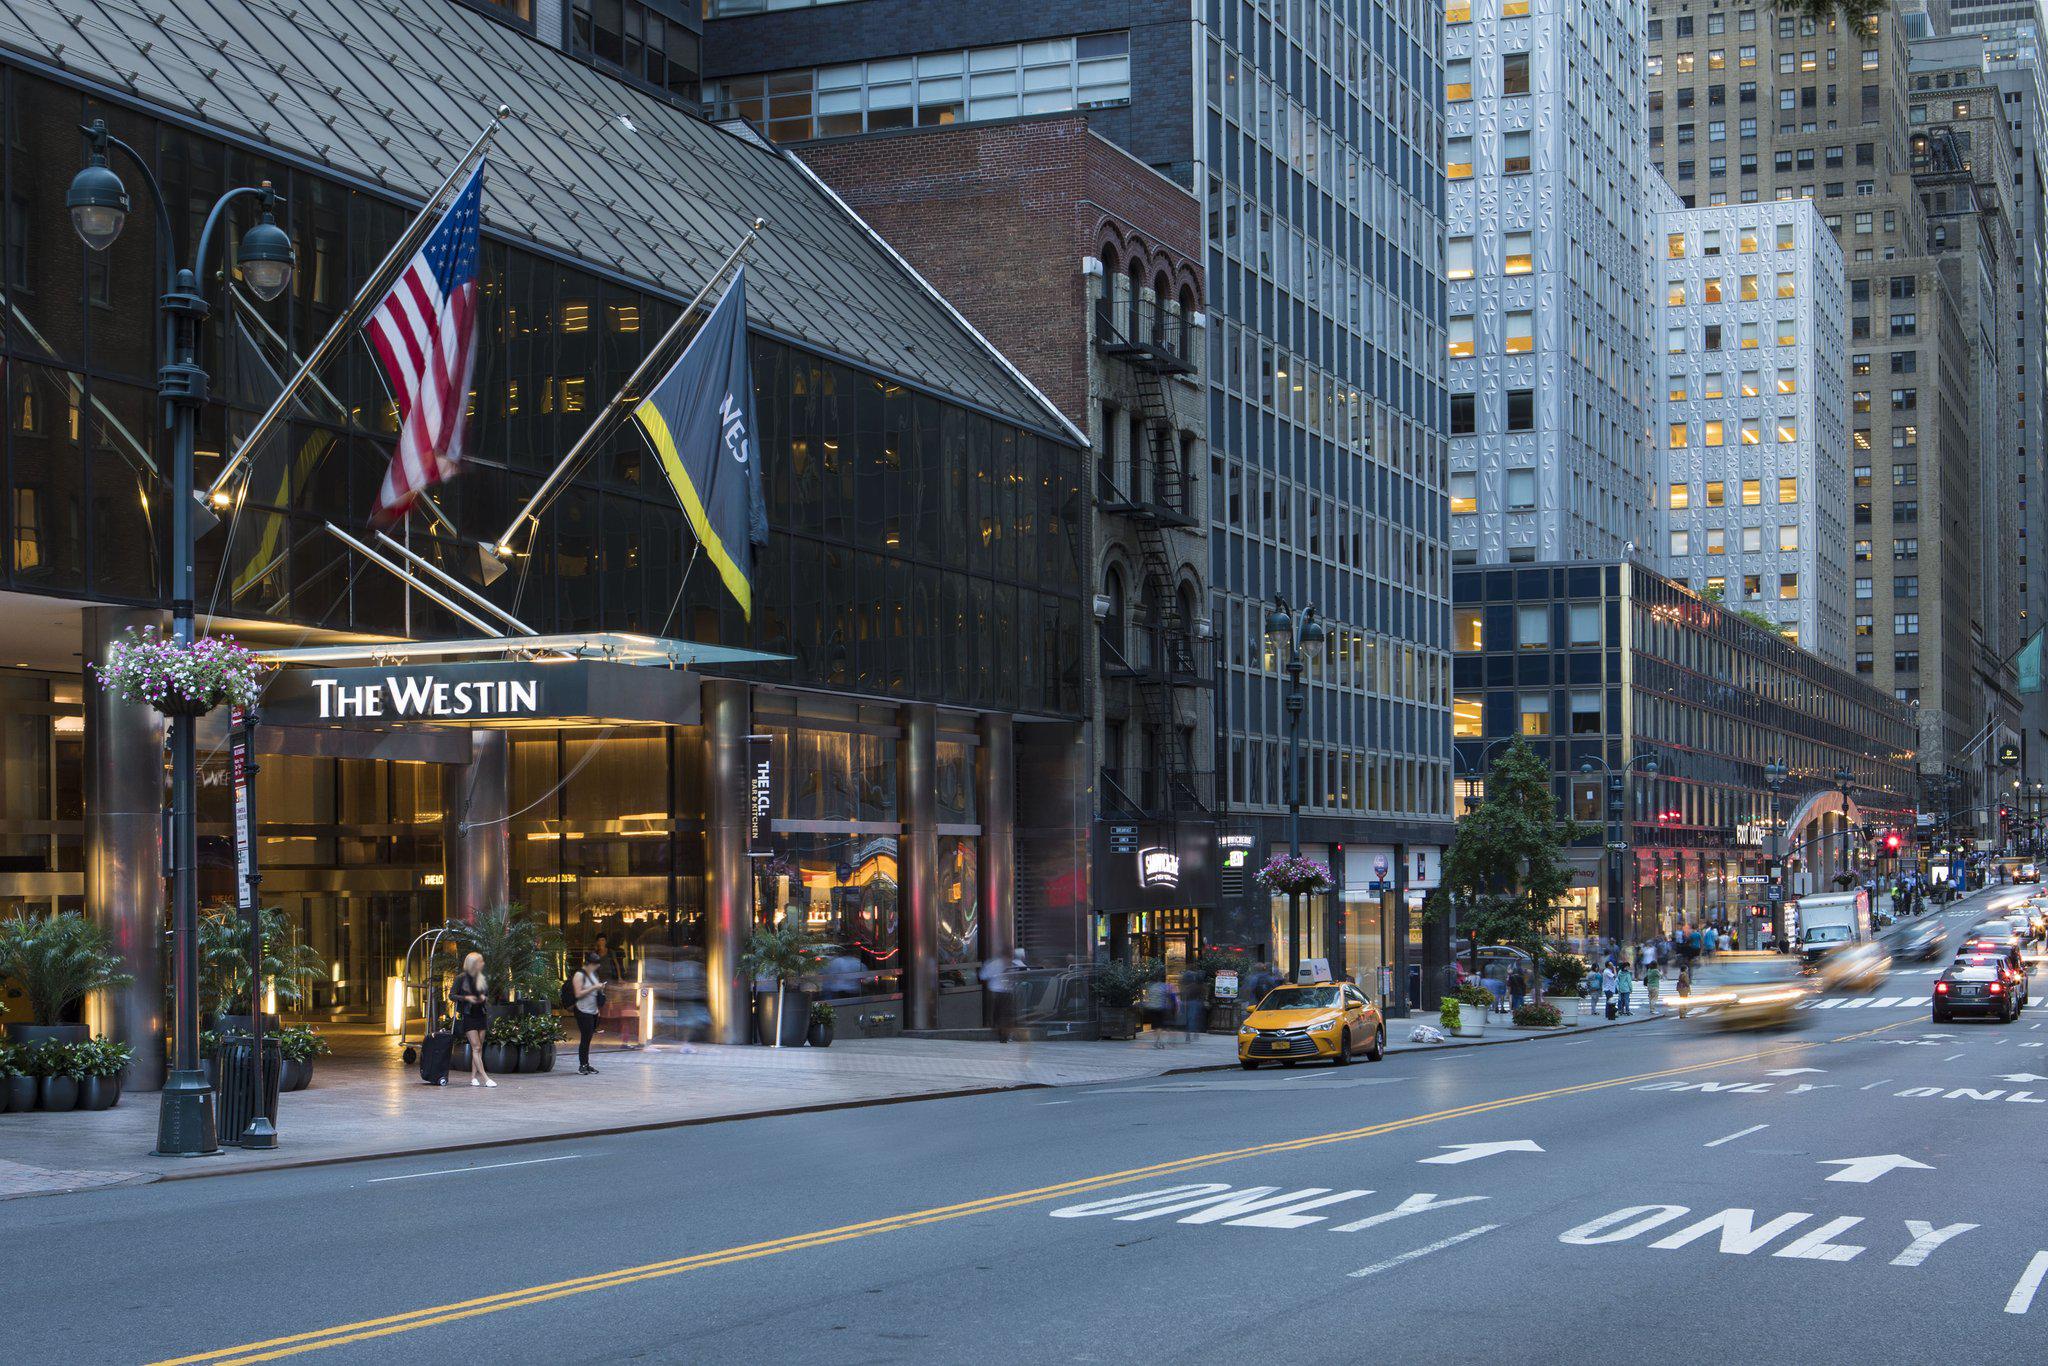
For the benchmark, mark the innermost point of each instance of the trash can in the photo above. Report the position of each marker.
(1223, 1017)
(237, 1098)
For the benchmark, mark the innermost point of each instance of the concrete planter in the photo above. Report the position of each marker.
(1469, 1031)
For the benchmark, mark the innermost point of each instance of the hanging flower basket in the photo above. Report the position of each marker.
(1291, 876)
(180, 680)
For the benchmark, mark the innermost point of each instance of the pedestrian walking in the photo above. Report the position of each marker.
(1624, 984)
(1192, 986)
(1651, 978)
(1684, 989)
(999, 979)
(471, 998)
(1158, 1009)
(588, 988)
(1607, 985)
(693, 1006)
(1518, 989)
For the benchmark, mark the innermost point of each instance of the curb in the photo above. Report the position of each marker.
(199, 1170)
(1449, 1045)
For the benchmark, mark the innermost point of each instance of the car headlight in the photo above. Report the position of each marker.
(1246, 1029)
(1322, 1026)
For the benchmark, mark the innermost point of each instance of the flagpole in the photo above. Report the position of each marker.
(407, 243)
(629, 392)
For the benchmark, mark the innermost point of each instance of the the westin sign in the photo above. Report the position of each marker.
(422, 695)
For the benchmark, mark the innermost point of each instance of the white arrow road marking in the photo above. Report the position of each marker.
(2022, 1076)
(1467, 1152)
(1926, 1238)
(1794, 1071)
(1739, 1133)
(1438, 1246)
(1868, 1169)
(2022, 1297)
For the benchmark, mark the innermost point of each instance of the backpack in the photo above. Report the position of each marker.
(568, 993)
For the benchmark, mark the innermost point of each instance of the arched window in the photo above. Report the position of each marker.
(1133, 307)
(1113, 626)
(1187, 322)
(1162, 293)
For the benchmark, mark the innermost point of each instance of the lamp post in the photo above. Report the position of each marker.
(1845, 777)
(1299, 636)
(1775, 774)
(98, 202)
(1617, 793)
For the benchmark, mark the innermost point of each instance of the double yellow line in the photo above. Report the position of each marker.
(366, 1330)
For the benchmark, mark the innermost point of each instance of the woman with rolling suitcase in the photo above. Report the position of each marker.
(470, 999)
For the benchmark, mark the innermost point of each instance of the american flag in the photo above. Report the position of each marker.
(424, 334)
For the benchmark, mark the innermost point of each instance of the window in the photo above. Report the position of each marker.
(1906, 661)
(1680, 495)
(1521, 332)
(1674, 294)
(1674, 245)
(1752, 435)
(1459, 330)
(1905, 476)
(1514, 73)
(1863, 552)
(1468, 630)
(1467, 711)
(1535, 712)
(1788, 382)
(1677, 443)
(1584, 623)
(649, 49)
(1715, 493)
(1586, 713)
(1521, 406)
(1710, 432)
(1906, 586)
(1674, 341)
(1464, 493)
(1458, 11)
(1521, 490)
(1905, 623)
(1788, 488)
(1749, 338)
(1785, 285)
(1749, 383)
(1717, 541)
(1710, 337)
(1905, 548)
(1681, 543)
(1866, 624)
(1752, 540)
(1864, 589)
(1752, 489)
(1906, 512)
(1464, 414)
(1532, 627)
(1788, 537)
(1752, 585)
(1788, 332)
(1458, 260)
(1865, 661)
(1458, 158)
(1457, 79)
(1514, 152)
(1788, 586)
(1710, 290)
(1788, 430)
(1710, 384)
(1518, 254)
(1678, 390)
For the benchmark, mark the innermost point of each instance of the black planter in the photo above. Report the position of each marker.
(795, 1010)
(819, 1035)
(295, 1074)
(1118, 1022)
(56, 1093)
(243, 1024)
(547, 1058)
(501, 1058)
(28, 1034)
(458, 1056)
(98, 1093)
(530, 1059)
(21, 1094)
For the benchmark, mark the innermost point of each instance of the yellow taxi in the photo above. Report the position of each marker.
(1316, 1022)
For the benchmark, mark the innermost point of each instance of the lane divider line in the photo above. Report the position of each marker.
(274, 1349)
(1438, 1246)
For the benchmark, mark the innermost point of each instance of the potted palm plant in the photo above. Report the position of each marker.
(786, 954)
(97, 1064)
(291, 969)
(297, 1046)
(57, 960)
(1115, 987)
(520, 954)
(180, 678)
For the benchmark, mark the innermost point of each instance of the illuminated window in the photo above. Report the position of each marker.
(575, 317)
(1788, 430)
(1458, 158)
(1752, 435)
(1458, 12)
(1752, 489)
(1788, 332)
(1678, 393)
(1458, 259)
(1788, 538)
(1710, 432)
(1674, 294)
(1748, 240)
(1521, 332)
(1788, 488)
(1681, 543)
(1749, 336)
(1681, 494)
(1785, 286)
(1514, 9)
(1717, 493)
(1788, 382)
(1710, 290)
(1458, 79)
(1788, 586)
(1710, 384)
(1518, 253)
(1514, 153)
(1748, 292)
(1465, 717)
(1717, 541)
(1678, 443)
(1749, 383)
(1464, 493)
(1468, 631)
(1460, 333)
(1535, 712)
(1674, 246)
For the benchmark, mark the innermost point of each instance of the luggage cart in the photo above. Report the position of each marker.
(424, 981)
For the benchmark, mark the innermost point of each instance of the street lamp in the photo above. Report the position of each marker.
(1845, 777)
(1299, 636)
(1775, 774)
(1617, 788)
(99, 205)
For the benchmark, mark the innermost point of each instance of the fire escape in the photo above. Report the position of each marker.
(1169, 661)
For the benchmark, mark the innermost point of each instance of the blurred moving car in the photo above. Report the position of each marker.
(1331, 1021)
(1977, 984)
(1921, 940)
(1855, 967)
(2029, 872)
(1746, 993)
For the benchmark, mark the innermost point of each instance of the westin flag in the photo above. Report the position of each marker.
(2028, 662)
(700, 421)
(424, 334)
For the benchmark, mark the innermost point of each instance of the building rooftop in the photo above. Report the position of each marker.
(388, 93)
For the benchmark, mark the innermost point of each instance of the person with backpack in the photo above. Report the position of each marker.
(1652, 978)
(583, 993)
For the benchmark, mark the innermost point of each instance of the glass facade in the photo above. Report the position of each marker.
(919, 549)
(1590, 671)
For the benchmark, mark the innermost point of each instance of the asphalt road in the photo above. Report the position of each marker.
(1864, 1188)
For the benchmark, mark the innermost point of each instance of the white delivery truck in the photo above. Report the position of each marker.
(1827, 923)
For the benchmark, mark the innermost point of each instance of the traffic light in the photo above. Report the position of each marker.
(1892, 841)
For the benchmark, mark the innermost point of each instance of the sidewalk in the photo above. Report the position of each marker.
(367, 1105)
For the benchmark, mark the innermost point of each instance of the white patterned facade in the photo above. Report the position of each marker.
(1547, 221)
(1753, 432)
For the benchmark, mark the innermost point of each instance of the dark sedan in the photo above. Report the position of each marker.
(1978, 984)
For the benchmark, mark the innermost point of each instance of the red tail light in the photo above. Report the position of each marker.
(1941, 988)
(1997, 987)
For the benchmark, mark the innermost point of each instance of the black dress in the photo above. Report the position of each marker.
(467, 998)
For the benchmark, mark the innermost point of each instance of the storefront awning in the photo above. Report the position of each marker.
(613, 647)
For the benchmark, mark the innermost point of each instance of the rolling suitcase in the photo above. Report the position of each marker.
(1610, 1015)
(434, 1051)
